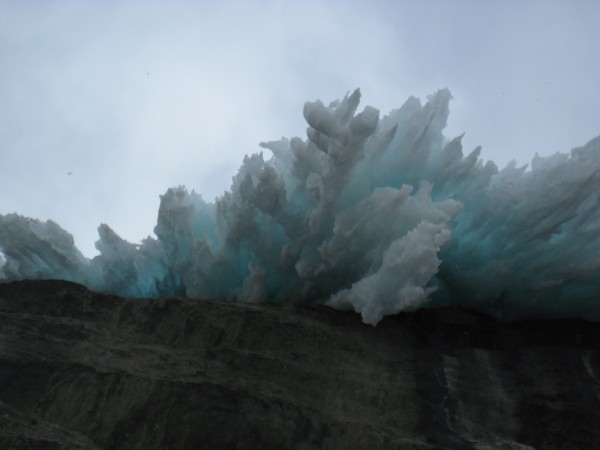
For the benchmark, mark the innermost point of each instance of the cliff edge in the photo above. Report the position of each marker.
(85, 370)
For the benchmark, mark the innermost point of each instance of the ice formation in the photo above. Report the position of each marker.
(376, 215)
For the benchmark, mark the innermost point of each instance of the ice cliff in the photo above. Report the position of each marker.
(378, 215)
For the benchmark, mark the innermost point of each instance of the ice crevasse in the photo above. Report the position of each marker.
(379, 215)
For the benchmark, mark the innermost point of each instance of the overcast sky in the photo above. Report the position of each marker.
(130, 98)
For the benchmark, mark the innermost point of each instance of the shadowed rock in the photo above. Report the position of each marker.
(84, 370)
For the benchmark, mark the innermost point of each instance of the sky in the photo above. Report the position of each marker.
(104, 105)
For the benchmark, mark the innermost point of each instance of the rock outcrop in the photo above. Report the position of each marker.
(81, 370)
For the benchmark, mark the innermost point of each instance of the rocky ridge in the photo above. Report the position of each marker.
(82, 370)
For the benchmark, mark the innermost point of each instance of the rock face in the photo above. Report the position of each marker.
(84, 370)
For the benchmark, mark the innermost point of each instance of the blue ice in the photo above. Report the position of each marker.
(378, 215)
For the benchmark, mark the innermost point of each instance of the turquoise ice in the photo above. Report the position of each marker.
(376, 215)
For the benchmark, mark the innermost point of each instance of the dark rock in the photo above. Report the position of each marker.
(85, 370)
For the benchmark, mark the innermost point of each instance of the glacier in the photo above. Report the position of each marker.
(378, 215)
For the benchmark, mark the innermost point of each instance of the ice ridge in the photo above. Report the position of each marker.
(376, 215)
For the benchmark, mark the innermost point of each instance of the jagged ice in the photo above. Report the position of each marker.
(376, 215)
